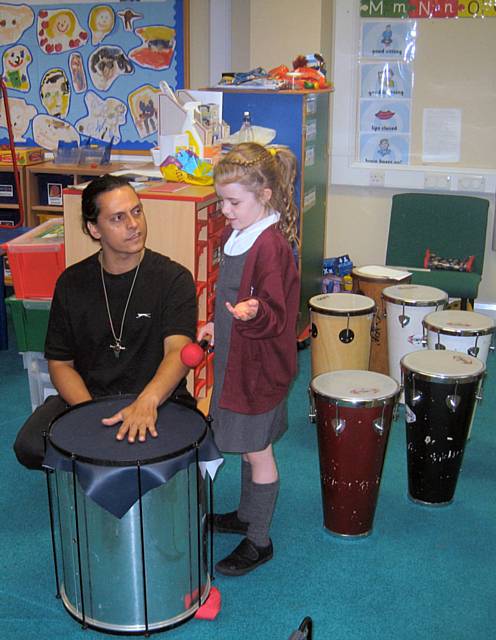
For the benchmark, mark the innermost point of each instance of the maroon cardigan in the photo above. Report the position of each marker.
(262, 356)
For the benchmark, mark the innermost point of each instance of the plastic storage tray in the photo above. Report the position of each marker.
(30, 320)
(36, 260)
(40, 385)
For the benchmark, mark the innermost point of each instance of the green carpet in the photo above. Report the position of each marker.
(423, 573)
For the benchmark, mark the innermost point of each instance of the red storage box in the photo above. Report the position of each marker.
(36, 259)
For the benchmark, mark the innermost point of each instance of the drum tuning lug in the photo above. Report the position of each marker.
(378, 425)
(416, 397)
(439, 347)
(404, 320)
(473, 351)
(452, 402)
(491, 347)
(312, 416)
(338, 424)
(424, 341)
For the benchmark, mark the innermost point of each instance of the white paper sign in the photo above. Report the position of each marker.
(442, 130)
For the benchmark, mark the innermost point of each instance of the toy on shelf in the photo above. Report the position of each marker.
(309, 72)
(337, 274)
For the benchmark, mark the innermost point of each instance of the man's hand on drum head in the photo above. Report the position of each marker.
(137, 419)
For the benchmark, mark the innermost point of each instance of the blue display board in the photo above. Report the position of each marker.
(75, 71)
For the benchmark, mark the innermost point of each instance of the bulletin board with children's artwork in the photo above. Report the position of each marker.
(76, 71)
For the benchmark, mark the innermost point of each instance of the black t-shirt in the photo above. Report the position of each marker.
(163, 303)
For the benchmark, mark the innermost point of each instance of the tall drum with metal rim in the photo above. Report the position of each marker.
(406, 307)
(129, 530)
(340, 331)
(441, 388)
(371, 281)
(353, 410)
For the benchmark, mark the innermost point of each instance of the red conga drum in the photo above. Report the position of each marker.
(353, 410)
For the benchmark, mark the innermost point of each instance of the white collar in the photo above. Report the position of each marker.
(240, 241)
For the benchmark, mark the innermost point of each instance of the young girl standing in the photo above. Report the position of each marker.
(254, 328)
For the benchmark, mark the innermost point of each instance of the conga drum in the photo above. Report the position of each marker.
(353, 410)
(406, 307)
(340, 331)
(130, 538)
(371, 281)
(440, 393)
(464, 331)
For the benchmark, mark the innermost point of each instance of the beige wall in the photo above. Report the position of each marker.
(199, 43)
(271, 32)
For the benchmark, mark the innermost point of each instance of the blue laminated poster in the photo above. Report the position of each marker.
(385, 116)
(386, 80)
(384, 149)
(393, 40)
(75, 71)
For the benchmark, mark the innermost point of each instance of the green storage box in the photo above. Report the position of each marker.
(30, 318)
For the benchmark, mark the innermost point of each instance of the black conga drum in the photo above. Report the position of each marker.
(441, 388)
(353, 410)
(129, 520)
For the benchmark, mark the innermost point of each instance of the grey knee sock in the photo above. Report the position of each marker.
(244, 500)
(263, 502)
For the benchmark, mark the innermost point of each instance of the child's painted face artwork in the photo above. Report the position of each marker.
(106, 64)
(104, 119)
(21, 115)
(55, 92)
(59, 31)
(78, 73)
(143, 104)
(101, 22)
(14, 20)
(47, 131)
(15, 67)
(157, 50)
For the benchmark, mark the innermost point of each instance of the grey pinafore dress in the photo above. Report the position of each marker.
(237, 432)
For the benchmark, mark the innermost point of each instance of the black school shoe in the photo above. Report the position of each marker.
(246, 557)
(229, 523)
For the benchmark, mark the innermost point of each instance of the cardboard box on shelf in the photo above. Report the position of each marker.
(24, 155)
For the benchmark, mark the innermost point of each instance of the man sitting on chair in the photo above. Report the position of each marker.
(118, 322)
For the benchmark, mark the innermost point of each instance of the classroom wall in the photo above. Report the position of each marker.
(358, 217)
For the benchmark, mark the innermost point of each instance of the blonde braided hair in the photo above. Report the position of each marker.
(257, 168)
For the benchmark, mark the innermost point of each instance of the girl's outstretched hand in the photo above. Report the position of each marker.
(245, 310)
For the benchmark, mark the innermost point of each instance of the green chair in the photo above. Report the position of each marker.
(451, 226)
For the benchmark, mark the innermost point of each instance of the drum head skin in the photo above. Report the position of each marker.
(415, 295)
(340, 304)
(459, 323)
(444, 366)
(355, 387)
(375, 273)
(80, 432)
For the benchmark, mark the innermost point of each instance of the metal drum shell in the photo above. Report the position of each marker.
(146, 570)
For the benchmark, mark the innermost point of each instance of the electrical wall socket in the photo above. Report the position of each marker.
(376, 178)
(437, 181)
(471, 183)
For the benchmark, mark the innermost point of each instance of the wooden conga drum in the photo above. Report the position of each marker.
(371, 281)
(340, 331)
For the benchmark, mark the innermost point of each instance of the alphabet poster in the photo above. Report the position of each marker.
(80, 70)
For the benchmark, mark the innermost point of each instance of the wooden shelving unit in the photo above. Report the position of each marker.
(9, 210)
(64, 174)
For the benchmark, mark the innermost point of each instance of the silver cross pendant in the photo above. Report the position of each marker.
(117, 348)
